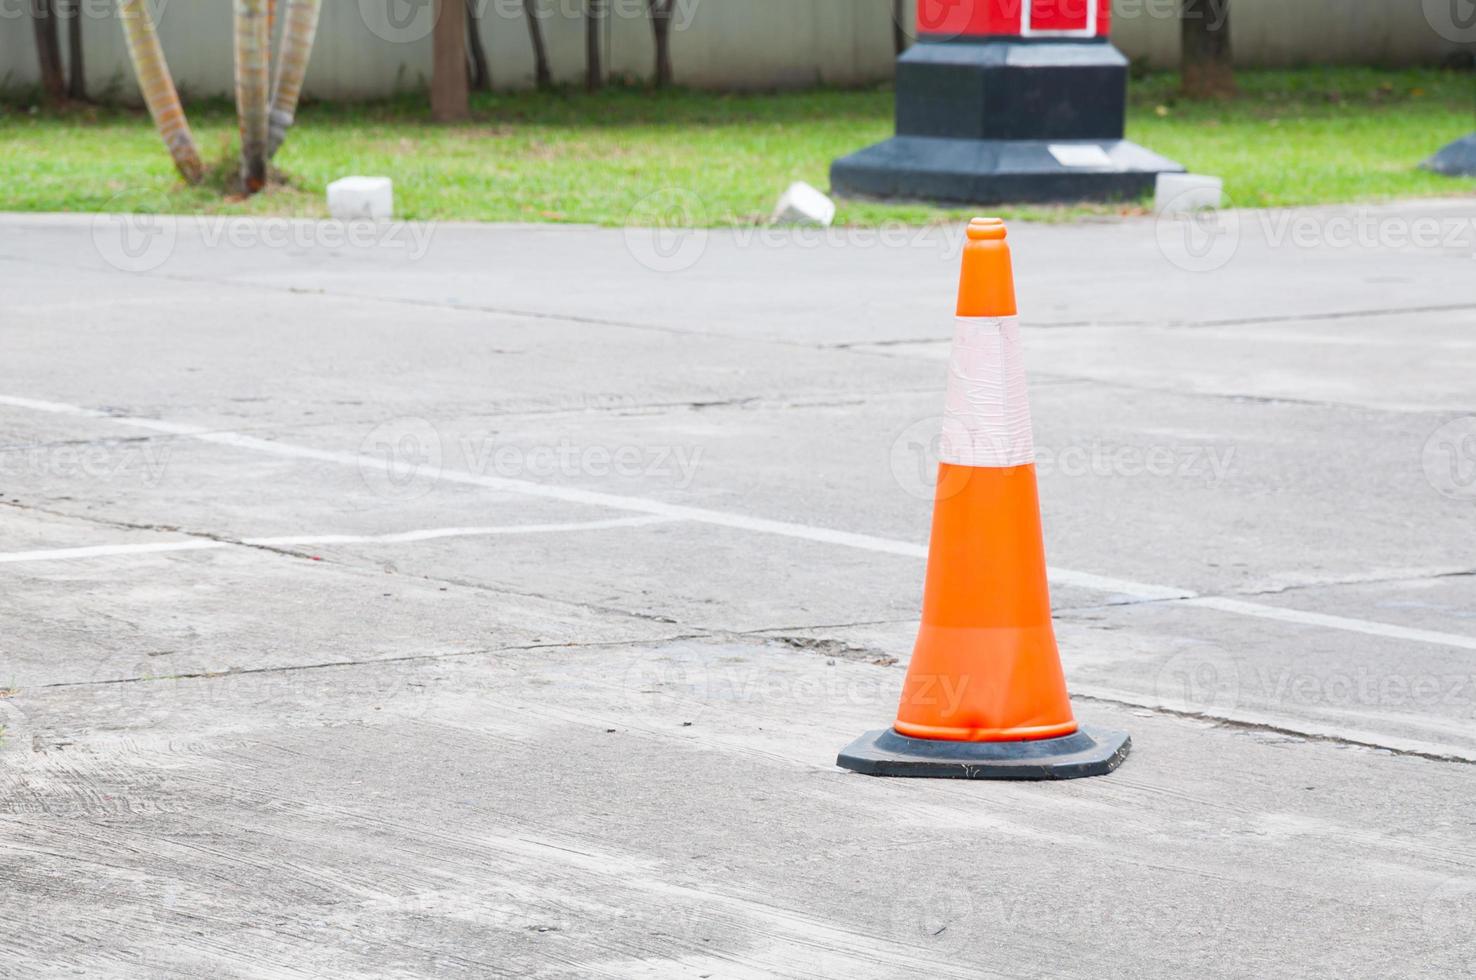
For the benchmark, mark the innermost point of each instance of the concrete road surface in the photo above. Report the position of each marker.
(458, 601)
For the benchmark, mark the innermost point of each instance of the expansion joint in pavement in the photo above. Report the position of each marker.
(346, 664)
(1270, 728)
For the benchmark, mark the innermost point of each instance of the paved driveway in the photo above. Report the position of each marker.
(467, 601)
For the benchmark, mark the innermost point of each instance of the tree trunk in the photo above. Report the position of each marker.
(157, 86)
(594, 75)
(253, 85)
(448, 63)
(76, 67)
(481, 73)
(298, 33)
(541, 70)
(661, 11)
(1207, 70)
(48, 51)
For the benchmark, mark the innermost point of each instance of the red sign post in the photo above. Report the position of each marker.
(1013, 18)
(1007, 100)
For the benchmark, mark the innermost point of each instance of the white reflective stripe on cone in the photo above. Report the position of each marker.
(987, 418)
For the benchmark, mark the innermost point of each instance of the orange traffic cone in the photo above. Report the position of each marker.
(984, 696)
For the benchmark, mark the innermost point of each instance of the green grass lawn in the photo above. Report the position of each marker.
(1299, 137)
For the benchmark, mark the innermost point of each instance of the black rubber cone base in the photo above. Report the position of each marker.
(1088, 752)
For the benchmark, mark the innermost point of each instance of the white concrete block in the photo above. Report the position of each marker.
(1185, 193)
(803, 205)
(361, 198)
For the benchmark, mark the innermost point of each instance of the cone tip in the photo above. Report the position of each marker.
(986, 284)
(986, 229)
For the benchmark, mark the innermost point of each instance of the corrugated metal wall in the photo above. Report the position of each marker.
(369, 48)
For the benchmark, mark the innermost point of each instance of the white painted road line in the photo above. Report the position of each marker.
(108, 550)
(1136, 591)
(405, 537)
(400, 537)
(1242, 608)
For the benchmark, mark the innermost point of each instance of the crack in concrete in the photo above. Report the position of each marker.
(115, 412)
(1417, 575)
(1274, 729)
(341, 664)
(745, 402)
(1053, 379)
(1194, 324)
(388, 567)
(122, 525)
(544, 597)
(571, 318)
(833, 648)
(830, 647)
(1292, 318)
(822, 626)
(824, 399)
(69, 443)
(1246, 398)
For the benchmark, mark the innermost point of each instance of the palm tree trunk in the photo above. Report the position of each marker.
(661, 11)
(48, 51)
(253, 81)
(541, 72)
(298, 32)
(157, 86)
(481, 72)
(448, 63)
(594, 75)
(1207, 67)
(76, 67)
